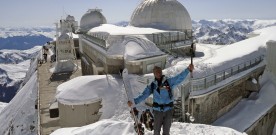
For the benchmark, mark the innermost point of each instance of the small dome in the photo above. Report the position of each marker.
(92, 18)
(70, 18)
(139, 48)
(161, 14)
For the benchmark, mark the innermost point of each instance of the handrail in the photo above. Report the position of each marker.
(98, 41)
(213, 79)
(167, 41)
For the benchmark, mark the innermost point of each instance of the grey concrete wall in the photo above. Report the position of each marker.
(78, 115)
(265, 125)
(209, 107)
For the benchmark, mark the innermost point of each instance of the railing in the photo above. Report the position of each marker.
(167, 41)
(171, 37)
(98, 41)
(210, 80)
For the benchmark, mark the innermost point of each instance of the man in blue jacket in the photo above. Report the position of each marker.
(161, 88)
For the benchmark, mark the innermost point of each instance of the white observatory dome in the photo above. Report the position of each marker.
(92, 18)
(161, 14)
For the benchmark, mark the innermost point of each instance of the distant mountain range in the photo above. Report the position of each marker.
(226, 31)
(25, 38)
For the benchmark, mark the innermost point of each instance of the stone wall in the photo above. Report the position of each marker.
(265, 125)
(209, 107)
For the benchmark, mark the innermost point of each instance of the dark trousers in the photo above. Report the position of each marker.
(162, 119)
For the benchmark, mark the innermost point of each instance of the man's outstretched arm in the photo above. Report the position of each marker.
(176, 80)
(146, 93)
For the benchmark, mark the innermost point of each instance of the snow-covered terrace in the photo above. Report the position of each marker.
(210, 59)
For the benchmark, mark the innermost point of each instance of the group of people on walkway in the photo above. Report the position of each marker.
(46, 54)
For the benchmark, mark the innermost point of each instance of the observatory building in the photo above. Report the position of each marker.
(156, 28)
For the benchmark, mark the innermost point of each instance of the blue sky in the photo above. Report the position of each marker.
(46, 12)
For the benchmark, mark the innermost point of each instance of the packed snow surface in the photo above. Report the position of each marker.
(112, 127)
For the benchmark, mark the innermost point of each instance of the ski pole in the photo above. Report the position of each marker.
(191, 79)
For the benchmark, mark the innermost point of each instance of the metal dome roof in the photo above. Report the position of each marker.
(161, 14)
(92, 18)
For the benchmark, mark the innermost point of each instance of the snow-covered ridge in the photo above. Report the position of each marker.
(20, 116)
(17, 56)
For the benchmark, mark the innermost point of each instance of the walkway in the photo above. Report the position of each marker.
(48, 83)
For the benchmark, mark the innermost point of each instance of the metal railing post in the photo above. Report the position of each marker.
(183, 103)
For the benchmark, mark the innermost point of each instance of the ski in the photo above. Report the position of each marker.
(134, 112)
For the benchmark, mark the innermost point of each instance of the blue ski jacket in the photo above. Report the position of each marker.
(163, 97)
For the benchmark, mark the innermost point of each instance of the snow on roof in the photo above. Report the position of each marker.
(245, 47)
(210, 59)
(138, 48)
(88, 89)
(130, 46)
(85, 89)
(111, 29)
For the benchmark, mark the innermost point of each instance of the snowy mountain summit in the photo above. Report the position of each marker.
(226, 31)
